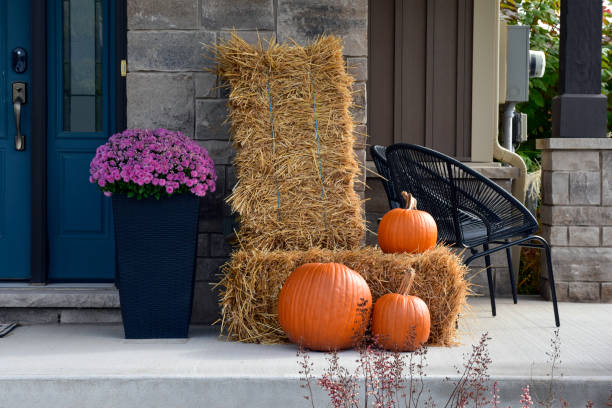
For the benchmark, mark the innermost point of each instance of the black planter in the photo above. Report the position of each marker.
(156, 243)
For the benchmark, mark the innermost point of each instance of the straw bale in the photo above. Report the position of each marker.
(252, 280)
(286, 197)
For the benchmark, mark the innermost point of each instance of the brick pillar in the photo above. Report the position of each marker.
(577, 216)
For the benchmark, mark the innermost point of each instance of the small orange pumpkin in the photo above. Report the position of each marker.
(407, 229)
(324, 306)
(401, 322)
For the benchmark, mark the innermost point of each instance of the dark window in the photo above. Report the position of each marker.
(82, 65)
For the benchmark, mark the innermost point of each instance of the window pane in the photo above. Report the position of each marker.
(82, 65)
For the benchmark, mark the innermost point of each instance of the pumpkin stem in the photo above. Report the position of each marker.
(407, 282)
(411, 202)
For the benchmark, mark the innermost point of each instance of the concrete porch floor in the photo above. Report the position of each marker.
(92, 366)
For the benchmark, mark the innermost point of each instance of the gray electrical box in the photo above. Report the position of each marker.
(517, 87)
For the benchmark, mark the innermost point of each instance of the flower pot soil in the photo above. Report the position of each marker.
(156, 249)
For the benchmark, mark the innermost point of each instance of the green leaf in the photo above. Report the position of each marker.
(538, 99)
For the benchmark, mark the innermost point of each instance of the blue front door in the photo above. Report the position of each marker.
(80, 100)
(14, 158)
(80, 118)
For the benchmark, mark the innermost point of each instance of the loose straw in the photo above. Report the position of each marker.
(274, 151)
(314, 108)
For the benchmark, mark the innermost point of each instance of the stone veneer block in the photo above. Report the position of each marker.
(555, 235)
(582, 264)
(219, 193)
(570, 160)
(505, 184)
(584, 236)
(230, 178)
(162, 14)
(361, 136)
(606, 176)
(357, 67)
(205, 306)
(302, 20)
(169, 50)
(220, 151)
(205, 85)
(358, 110)
(584, 187)
(219, 246)
(210, 119)
(494, 171)
(561, 290)
(576, 215)
(160, 100)
(556, 187)
(252, 37)
(360, 179)
(584, 291)
(606, 237)
(238, 14)
(203, 245)
(606, 292)
(569, 143)
(207, 269)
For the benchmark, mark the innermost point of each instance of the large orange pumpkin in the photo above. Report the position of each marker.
(401, 322)
(407, 229)
(324, 306)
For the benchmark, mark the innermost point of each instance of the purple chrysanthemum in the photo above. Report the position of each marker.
(152, 163)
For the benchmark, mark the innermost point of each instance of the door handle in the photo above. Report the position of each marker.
(19, 99)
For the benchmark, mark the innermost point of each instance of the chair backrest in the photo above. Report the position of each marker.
(380, 161)
(465, 204)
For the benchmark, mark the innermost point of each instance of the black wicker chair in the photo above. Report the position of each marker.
(380, 160)
(470, 210)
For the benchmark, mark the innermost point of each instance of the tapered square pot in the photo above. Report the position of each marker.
(156, 242)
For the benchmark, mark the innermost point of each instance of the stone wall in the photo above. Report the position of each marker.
(167, 86)
(577, 217)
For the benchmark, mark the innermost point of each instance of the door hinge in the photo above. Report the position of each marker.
(123, 68)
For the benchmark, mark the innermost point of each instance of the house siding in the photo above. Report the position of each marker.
(168, 86)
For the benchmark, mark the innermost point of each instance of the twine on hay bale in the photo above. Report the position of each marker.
(295, 170)
(252, 280)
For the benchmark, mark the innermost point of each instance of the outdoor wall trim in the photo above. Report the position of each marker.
(485, 83)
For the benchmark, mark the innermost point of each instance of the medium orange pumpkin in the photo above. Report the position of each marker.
(324, 306)
(407, 229)
(401, 322)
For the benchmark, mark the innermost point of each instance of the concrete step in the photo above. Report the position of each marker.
(59, 303)
(93, 366)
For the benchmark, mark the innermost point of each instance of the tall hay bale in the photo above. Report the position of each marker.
(252, 280)
(293, 191)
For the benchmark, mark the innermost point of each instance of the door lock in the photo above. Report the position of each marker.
(20, 98)
(19, 60)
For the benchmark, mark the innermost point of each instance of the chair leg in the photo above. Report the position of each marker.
(490, 279)
(551, 280)
(512, 283)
